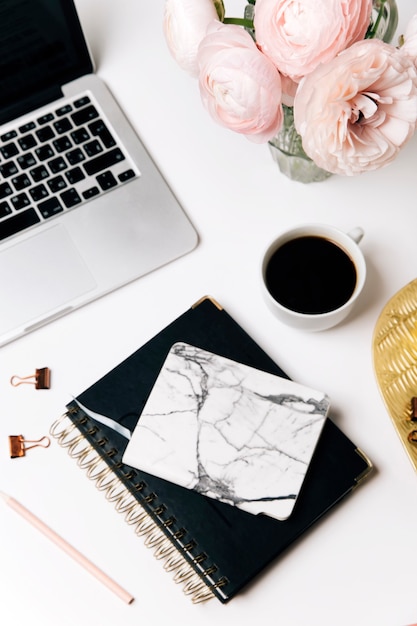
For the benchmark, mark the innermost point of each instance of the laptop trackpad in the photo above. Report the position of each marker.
(40, 275)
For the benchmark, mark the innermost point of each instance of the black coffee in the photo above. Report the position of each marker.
(310, 275)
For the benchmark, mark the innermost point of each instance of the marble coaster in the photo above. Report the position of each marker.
(228, 431)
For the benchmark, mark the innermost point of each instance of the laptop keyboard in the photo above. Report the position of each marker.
(57, 162)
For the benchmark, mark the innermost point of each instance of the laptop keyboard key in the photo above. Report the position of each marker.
(44, 152)
(26, 160)
(20, 201)
(70, 198)
(81, 102)
(99, 129)
(62, 126)
(127, 175)
(67, 108)
(26, 127)
(62, 144)
(75, 175)
(50, 207)
(92, 148)
(8, 169)
(39, 192)
(11, 134)
(57, 165)
(90, 193)
(18, 222)
(57, 184)
(9, 150)
(4, 209)
(84, 115)
(44, 119)
(80, 135)
(45, 134)
(106, 180)
(27, 142)
(21, 182)
(39, 173)
(104, 161)
(5, 190)
(75, 156)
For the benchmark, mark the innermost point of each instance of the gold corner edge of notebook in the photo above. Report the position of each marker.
(211, 299)
(367, 471)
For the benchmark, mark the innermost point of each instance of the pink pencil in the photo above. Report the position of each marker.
(82, 560)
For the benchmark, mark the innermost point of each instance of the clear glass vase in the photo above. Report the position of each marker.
(287, 150)
(286, 147)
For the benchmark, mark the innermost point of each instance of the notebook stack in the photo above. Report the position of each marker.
(211, 544)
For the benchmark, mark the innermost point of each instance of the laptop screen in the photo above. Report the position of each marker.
(41, 48)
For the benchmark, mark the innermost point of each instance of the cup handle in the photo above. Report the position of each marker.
(356, 234)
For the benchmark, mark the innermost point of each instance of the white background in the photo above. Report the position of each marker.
(357, 566)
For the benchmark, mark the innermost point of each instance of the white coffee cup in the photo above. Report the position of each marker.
(312, 275)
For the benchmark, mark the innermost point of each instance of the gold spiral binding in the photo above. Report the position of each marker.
(54, 428)
(146, 527)
(191, 587)
(183, 575)
(98, 465)
(126, 504)
(133, 517)
(97, 470)
(173, 562)
(101, 474)
(86, 458)
(202, 594)
(166, 548)
(116, 492)
(155, 539)
(105, 481)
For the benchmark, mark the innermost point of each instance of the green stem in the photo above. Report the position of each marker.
(238, 21)
(373, 30)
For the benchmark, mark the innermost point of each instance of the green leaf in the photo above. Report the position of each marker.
(219, 6)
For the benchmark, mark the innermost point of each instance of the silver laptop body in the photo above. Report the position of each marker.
(83, 238)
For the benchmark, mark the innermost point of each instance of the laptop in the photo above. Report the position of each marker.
(83, 208)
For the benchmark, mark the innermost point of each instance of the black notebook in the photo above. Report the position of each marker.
(212, 549)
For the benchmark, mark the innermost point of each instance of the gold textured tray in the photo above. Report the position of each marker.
(395, 363)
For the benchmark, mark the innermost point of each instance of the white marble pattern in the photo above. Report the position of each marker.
(228, 431)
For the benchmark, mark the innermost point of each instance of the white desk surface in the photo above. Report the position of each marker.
(357, 566)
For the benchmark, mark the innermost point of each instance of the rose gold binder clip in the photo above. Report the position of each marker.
(18, 447)
(41, 379)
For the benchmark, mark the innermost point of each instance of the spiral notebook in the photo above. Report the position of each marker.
(211, 548)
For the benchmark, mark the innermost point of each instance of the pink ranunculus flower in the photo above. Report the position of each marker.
(356, 112)
(239, 86)
(298, 35)
(289, 89)
(184, 24)
(410, 40)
